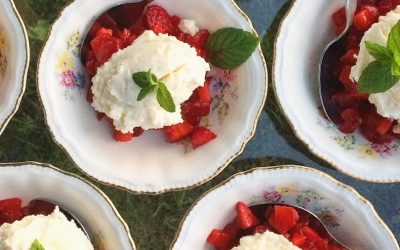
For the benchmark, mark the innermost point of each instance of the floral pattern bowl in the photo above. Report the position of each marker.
(349, 216)
(86, 202)
(297, 94)
(148, 164)
(14, 61)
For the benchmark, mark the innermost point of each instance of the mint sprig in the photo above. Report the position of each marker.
(148, 82)
(383, 73)
(36, 245)
(228, 48)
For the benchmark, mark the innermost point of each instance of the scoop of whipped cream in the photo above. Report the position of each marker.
(115, 92)
(265, 241)
(54, 232)
(388, 102)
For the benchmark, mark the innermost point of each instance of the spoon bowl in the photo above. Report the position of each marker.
(328, 83)
(259, 211)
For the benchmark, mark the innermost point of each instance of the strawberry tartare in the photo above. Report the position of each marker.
(365, 80)
(148, 71)
(280, 226)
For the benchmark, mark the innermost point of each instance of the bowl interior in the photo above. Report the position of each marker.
(298, 95)
(91, 206)
(147, 164)
(340, 207)
(13, 61)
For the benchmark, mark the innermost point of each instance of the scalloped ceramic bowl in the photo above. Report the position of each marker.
(148, 164)
(86, 202)
(296, 86)
(349, 216)
(14, 61)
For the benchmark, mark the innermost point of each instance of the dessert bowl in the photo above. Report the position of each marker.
(147, 164)
(91, 207)
(14, 61)
(339, 206)
(297, 94)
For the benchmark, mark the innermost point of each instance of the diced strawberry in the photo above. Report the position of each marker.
(175, 20)
(126, 38)
(246, 218)
(348, 57)
(122, 137)
(178, 132)
(371, 120)
(283, 218)
(201, 136)
(367, 15)
(351, 120)
(384, 6)
(219, 239)
(298, 239)
(344, 76)
(199, 40)
(138, 27)
(322, 244)
(198, 109)
(37, 207)
(104, 32)
(232, 230)
(204, 92)
(345, 99)
(93, 30)
(104, 46)
(158, 20)
(333, 247)
(260, 229)
(339, 19)
(310, 233)
(11, 210)
(183, 37)
(10, 204)
(384, 126)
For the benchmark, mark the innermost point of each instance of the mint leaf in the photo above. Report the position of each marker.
(395, 69)
(164, 98)
(393, 42)
(144, 79)
(144, 92)
(36, 245)
(230, 47)
(377, 78)
(378, 51)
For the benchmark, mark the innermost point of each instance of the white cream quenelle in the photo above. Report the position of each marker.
(115, 92)
(388, 102)
(54, 232)
(265, 241)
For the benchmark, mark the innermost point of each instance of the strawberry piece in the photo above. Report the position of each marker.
(10, 204)
(178, 132)
(11, 210)
(198, 41)
(104, 45)
(219, 239)
(322, 244)
(232, 230)
(122, 137)
(367, 15)
(246, 218)
(204, 92)
(348, 57)
(371, 120)
(93, 30)
(310, 233)
(198, 109)
(37, 207)
(384, 6)
(260, 229)
(344, 76)
(333, 247)
(339, 18)
(126, 38)
(283, 218)
(384, 126)
(297, 239)
(201, 136)
(351, 120)
(158, 20)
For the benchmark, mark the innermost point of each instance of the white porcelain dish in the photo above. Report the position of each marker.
(147, 164)
(85, 201)
(296, 86)
(350, 217)
(14, 61)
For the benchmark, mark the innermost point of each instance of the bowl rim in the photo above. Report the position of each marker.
(94, 187)
(285, 167)
(297, 132)
(26, 67)
(164, 190)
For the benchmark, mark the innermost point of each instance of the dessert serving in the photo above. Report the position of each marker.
(271, 227)
(368, 71)
(149, 70)
(39, 225)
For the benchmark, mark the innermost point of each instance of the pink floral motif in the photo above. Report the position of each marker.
(68, 79)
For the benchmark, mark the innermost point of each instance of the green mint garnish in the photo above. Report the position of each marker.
(384, 72)
(36, 245)
(230, 47)
(148, 83)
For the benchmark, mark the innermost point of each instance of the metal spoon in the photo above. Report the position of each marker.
(328, 84)
(112, 19)
(67, 214)
(259, 212)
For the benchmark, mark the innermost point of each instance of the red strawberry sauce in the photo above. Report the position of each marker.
(117, 30)
(297, 226)
(356, 113)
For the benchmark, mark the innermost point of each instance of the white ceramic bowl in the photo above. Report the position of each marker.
(147, 164)
(349, 216)
(85, 201)
(296, 87)
(14, 61)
